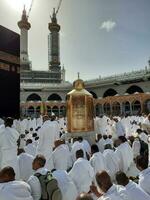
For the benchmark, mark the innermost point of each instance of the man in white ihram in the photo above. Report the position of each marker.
(66, 185)
(10, 189)
(25, 164)
(61, 156)
(47, 137)
(120, 130)
(8, 145)
(124, 153)
(130, 190)
(111, 161)
(97, 160)
(38, 166)
(82, 173)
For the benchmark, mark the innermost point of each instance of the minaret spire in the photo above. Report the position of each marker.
(24, 26)
(78, 75)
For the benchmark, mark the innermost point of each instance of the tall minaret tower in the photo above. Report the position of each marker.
(54, 62)
(24, 26)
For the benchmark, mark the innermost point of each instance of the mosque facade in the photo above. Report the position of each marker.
(45, 91)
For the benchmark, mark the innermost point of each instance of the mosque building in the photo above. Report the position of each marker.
(45, 91)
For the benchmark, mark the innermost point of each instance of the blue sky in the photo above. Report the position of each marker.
(98, 37)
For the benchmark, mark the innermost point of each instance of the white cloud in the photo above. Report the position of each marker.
(108, 25)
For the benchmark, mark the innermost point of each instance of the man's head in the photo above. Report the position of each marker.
(141, 162)
(80, 139)
(31, 129)
(117, 142)
(36, 138)
(139, 131)
(38, 162)
(26, 132)
(58, 143)
(94, 149)
(105, 137)
(45, 118)
(53, 117)
(99, 136)
(121, 178)
(108, 146)
(79, 154)
(115, 119)
(103, 181)
(122, 139)
(29, 141)
(20, 151)
(7, 174)
(84, 196)
(109, 136)
(34, 135)
(8, 122)
(131, 139)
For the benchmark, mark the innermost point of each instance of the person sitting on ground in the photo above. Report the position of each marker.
(61, 156)
(144, 176)
(125, 154)
(38, 166)
(24, 164)
(97, 159)
(82, 173)
(38, 187)
(10, 189)
(130, 189)
(111, 161)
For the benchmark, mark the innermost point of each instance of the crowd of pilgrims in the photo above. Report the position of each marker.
(115, 167)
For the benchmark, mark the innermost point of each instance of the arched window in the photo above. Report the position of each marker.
(34, 97)
(63, 111)
(54, 97)
(48, 110)
(38, 111)
(116, 109)
(107, 109)
(55, 110)
(147, 106)
(30, 111)
(110, 92)
(126, 108)
(93, 94)
(136, 107)
(133, 89)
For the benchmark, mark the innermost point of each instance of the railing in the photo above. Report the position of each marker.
(122, 76)
(44, 85)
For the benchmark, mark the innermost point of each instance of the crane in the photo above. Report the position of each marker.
(30, 8)
(58, 7)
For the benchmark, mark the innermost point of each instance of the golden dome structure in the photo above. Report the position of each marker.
(80, 109)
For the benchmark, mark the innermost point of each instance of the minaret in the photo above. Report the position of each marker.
(63, 74)
(24, 26)
(54, 62)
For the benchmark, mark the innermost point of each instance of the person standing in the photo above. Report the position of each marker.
(8, 145)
